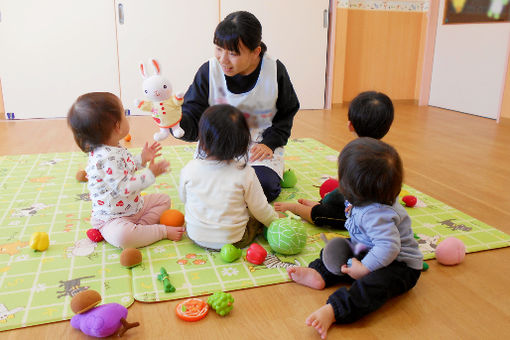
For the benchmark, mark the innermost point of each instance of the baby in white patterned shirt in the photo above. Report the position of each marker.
(124, 218)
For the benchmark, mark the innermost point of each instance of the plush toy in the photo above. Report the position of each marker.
(172, 218)
(339, 251)
(165, 107)
(130, 257)
(450, 251)
(94, 235)
(81, 176)
(329, 185)
(101, 321)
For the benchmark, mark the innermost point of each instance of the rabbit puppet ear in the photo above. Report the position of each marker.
(155, 66)
(143, 70)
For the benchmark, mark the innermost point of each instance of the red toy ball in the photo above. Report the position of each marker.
(329, 185)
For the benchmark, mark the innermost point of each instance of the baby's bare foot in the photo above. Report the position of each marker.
(307, 202)
(174, 233)
(306, 276)
(321, 320)
(282, 206)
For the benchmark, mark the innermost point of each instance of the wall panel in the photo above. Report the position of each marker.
(505, 107)
(382, 53)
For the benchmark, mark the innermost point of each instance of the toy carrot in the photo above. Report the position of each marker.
(163, 277)
(192, 309)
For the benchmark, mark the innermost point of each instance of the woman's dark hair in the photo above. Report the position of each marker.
(93, 117)
(370, 171)
(223, 133)
(236, 27)
(371, 114)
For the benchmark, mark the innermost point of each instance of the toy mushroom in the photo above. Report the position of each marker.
(130, 257)
(100, 321)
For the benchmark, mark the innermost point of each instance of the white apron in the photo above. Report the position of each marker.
(258, 105)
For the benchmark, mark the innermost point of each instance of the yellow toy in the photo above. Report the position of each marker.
(165, 107)
(39, 241)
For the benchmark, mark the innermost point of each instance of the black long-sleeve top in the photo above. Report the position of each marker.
(196, 100)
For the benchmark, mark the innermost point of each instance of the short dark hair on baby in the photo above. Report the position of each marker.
(370, 171)
(93, 117)
(223, 133)
(371, 114)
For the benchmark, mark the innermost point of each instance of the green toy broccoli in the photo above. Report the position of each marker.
(221, 302)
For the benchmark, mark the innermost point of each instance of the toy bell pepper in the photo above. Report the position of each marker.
(230, 253)
(39, 241)
(256, 254)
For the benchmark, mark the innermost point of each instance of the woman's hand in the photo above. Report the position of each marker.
(150, 152)
(357, 270)
(259, 152)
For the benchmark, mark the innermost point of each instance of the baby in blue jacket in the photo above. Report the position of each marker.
(370, 174)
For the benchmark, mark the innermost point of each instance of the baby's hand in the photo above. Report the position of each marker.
(159, 168)
(357, 270)
(150, 152)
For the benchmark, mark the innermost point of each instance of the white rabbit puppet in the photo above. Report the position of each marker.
(165, 107)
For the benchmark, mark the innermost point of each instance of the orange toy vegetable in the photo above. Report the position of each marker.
(172, 217)
(192, 309)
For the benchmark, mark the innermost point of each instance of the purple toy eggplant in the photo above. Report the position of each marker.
(103, 321)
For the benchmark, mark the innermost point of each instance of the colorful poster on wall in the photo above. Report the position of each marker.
(476, 11)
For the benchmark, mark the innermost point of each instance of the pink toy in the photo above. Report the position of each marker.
(450, 251)
(329, 185)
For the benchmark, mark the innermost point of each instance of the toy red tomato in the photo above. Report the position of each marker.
(192, 309)
(256, 254)
(329, 185)
(410, 201)
(94, 235)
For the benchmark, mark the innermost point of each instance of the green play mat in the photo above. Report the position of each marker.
(40, 193)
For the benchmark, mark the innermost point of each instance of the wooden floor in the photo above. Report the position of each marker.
(459, 159)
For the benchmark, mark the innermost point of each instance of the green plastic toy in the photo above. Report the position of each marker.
(230, 253)
(163, 277)
(221, 302)
(287, 235)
